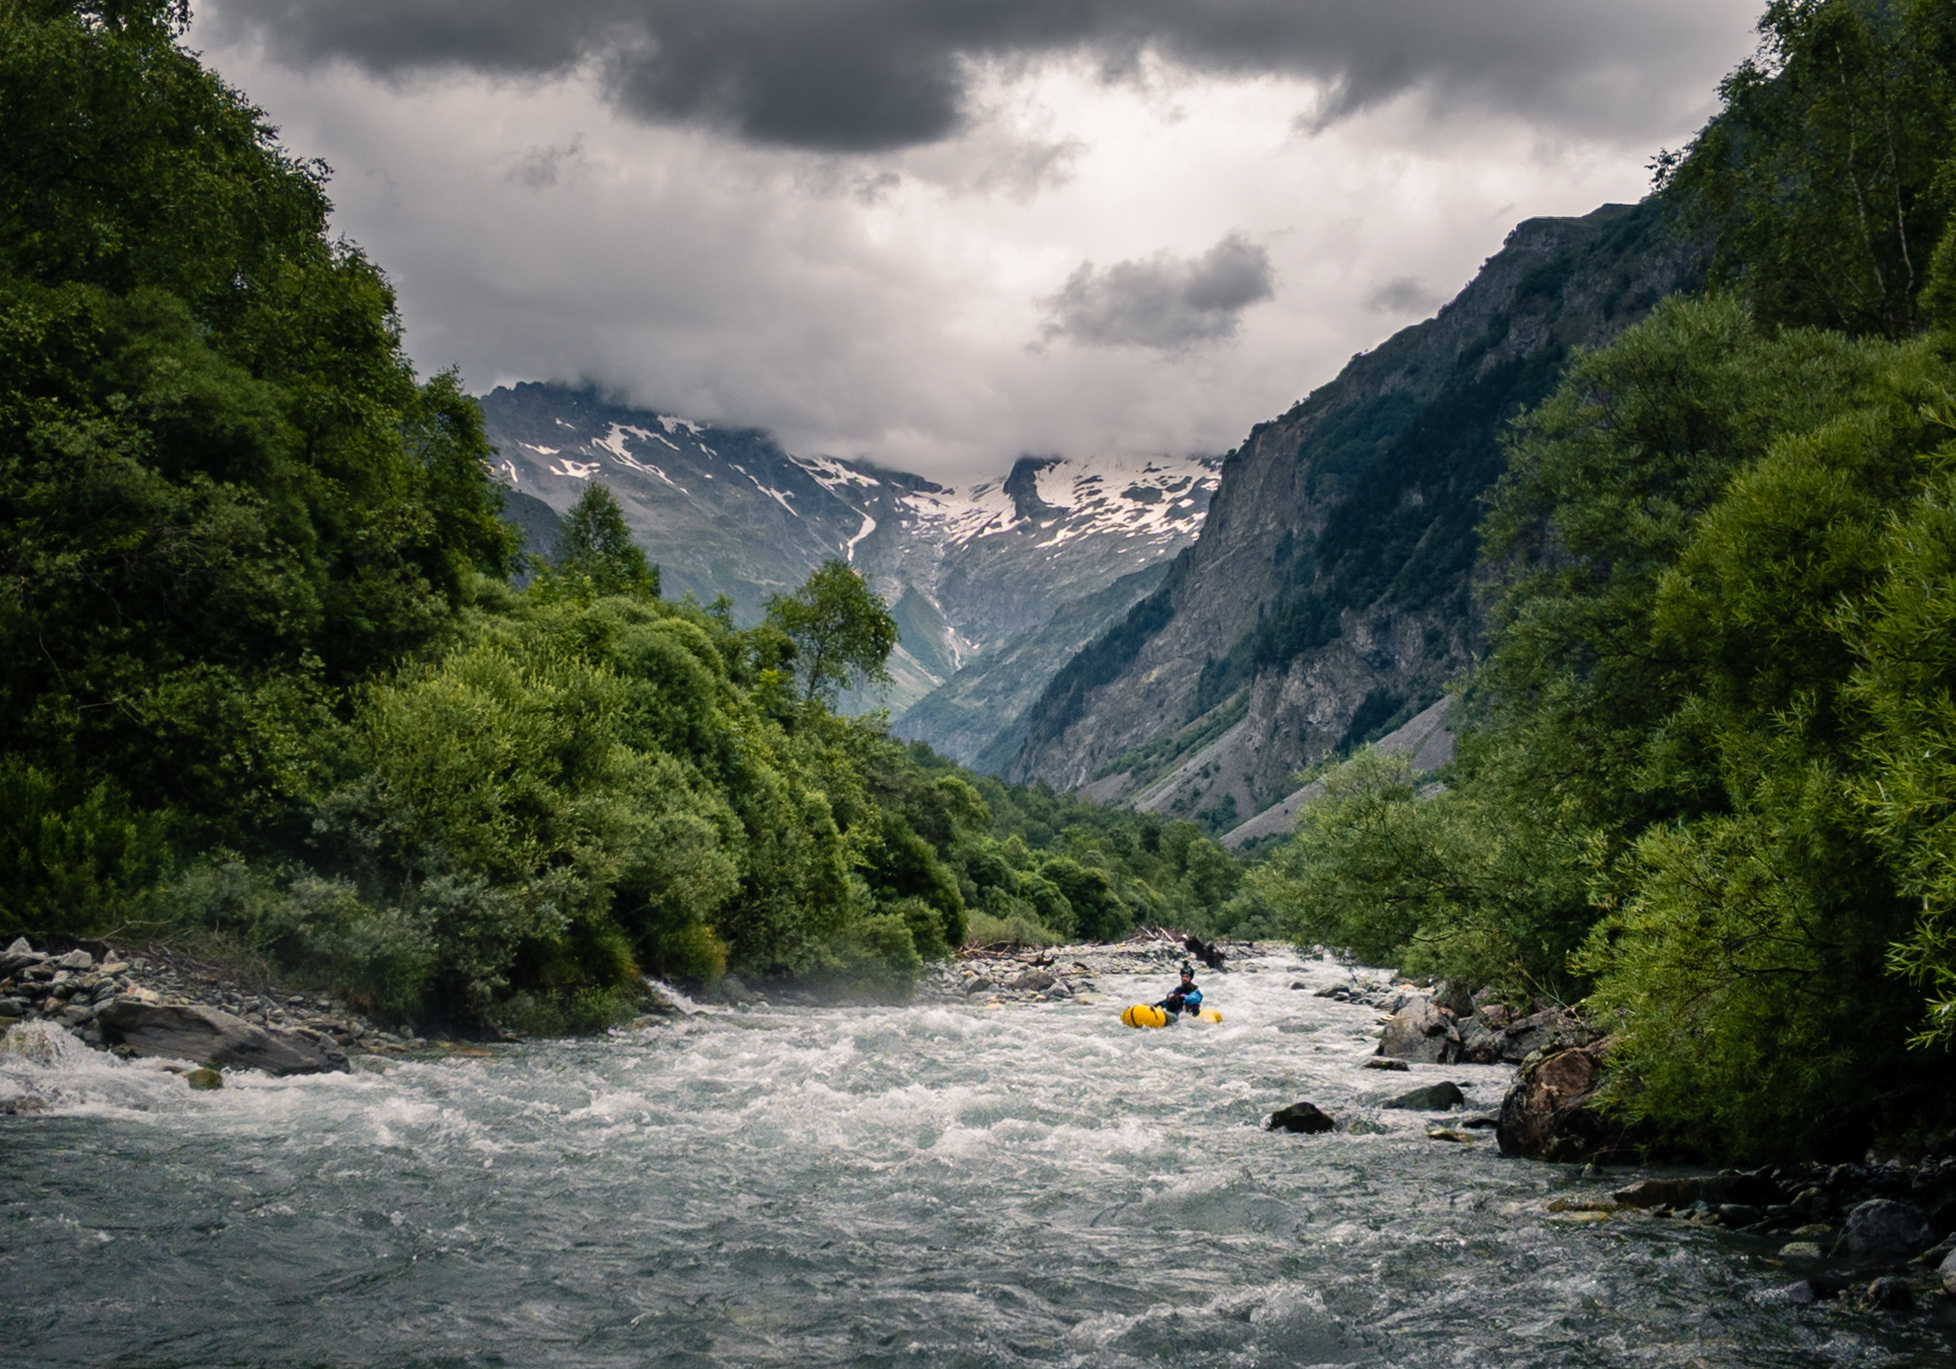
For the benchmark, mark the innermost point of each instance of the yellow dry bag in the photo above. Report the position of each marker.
(1141, 1015)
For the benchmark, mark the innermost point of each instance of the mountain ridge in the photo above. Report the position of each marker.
(1328, 597)
(968, 571)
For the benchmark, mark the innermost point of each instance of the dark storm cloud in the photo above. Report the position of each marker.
(1164, 302)
(862, 75)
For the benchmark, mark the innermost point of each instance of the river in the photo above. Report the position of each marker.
(907, 1186)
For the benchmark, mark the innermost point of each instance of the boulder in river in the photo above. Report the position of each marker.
(1422, 1033)
(207, 1036)
(1438, 1097)
(1304, 1117)
(1947, 1273)
(1883, 1229)
(1552, 1112)
(1380, 1062)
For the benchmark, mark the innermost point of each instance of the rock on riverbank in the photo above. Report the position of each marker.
(165, 1004)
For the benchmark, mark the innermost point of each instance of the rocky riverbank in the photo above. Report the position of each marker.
(165, 1003)
(997, 976)
(1879, 1235)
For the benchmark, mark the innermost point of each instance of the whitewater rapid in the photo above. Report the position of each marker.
(932, 1185)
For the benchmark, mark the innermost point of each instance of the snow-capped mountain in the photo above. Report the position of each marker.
(967, 571)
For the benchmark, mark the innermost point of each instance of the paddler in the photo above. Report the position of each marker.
(1185, 996)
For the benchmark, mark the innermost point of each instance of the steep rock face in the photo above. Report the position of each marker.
(975, 716)
(1328, 597)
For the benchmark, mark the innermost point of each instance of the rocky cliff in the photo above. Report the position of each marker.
(1328, 597)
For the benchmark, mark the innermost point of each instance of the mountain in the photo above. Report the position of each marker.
(993, 585)
(1329, 596)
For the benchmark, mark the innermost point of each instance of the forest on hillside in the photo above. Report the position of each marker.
(1706, 783)
(269, 685)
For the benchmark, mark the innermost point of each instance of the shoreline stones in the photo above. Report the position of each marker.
(988, 975)
(1445, 1027)
(90, 988)
(1441, 1097)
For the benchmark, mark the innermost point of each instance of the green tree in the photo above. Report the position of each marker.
(843, 633)
(595, 545)
(1822, 186)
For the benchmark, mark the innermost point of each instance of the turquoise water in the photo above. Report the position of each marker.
(927, 1186)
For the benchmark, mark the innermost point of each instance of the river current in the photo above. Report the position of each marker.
(932, 1185)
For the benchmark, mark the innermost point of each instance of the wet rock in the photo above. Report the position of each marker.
(1480, 1044)
(1946, 1271)
(1449, 1134)
(1422, 1033)
(1888, 1295)
(1551, 1113)
(1551, 1029)
(204, 1079)
(1300, 1117)
(1454, 998)
(1798, 1294)
(1799, 1250)
(1433, 1098)
(1882, 1229)
(1033, 979)
(1379, 1062)
(1713, 1190)
(205, 1034)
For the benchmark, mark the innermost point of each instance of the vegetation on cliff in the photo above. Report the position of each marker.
(1705, 780)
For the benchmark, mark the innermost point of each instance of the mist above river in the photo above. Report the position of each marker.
(933, 1185)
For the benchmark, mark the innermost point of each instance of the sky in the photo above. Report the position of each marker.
(938, 234)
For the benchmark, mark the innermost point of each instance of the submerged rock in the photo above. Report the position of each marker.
(205, 1078)
(1888, 1295)
(209, 1036)
(1433, 1098)
(1300, 1117)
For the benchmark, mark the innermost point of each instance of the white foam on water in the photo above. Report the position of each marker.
(803, 1186)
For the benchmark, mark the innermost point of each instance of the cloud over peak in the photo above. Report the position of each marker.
(1164, 302)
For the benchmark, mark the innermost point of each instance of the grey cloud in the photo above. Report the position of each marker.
(1403, 295)
(1164, 302)
(867, 75)
(541, 167)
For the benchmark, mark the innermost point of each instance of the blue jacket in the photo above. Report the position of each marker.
(1180, 1001)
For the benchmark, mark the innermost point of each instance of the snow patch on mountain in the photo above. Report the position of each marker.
(1160, 499)
(869, 526)
(835, 476)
